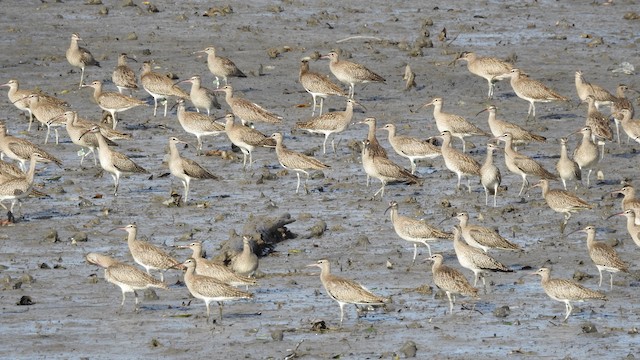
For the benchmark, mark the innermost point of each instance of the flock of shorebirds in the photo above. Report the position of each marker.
(210, 281)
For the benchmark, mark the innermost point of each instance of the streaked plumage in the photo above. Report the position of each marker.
(185, 169)
(585, 89)
(75, 128)
(159, 86)
(113, 102)
(200, 96)
(44, 111)
(18, 188)
(530, 90)
(487, 67)
(20, 149)
(79, 57)
(520, 135)
(246, 110)
(562, 201)
(246, 138)
(455, 124)
(567, 168)
(123, 76)
(317, 85)
(483, 237)
(459, 163)
(217, 271)
(450, 280)
(330, 123)
(246, 262)
(603, 255)
(618, 105)
(586, 154)
(198, 124)
(350, 73)
(490, 176)
(296, 161)
(220, 66)
(384, 170)
(411, 148)
(19, 98)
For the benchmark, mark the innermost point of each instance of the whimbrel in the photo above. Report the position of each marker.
(498, 127)
(619, 104)
(567, 168)
(200, 96)
(209, 289)
(185, 169)
(450, 280)
(159, 86)
(458, 162)
(345, 291)
(522, 165)
(217, 271)
(246, 262)
(19, 98)
(490, 176)
(75, 130)
(128, 278)
(586, 153)
(9, 171)
(350, 73)
(603, 255)
(455, 124)
(297, 162)
(197, 124)
(246, 110)
(629, 201)
(220, 66)
(415, 231)
(486, 67)
(374, 146)
(483, 237)
(585, 89)
(632, 228)
(112, 161)
(329, 123)
(79, 57)
(123, 77)
(146, 254)
(45, 110)
(599, 124)
(630, 126)
(562, 201)
(18, 188)
(20, 149)
(566, 291)
(318, 85)
(530, 90)
(411, 148)
(384, 170)
(113, 102)
(246, 138)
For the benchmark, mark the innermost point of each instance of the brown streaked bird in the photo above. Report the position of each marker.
(568, 169)
(350, 73)
(112, 161)
(200, 96)
(455, 124)
(330, 123)
(490, 176)
(458, 162)
(374, 146)
(128, 278)
(599, 124)
(19, 98)
(632, 228)
(45, 110)
(123, 77)
(246, 110)
(483, 237)
(450, 280)
(415, 231)
(629, 201)
(113, 102)
(566, 291)
(20, 149)
(318, 85)
(603, 255)
(209, 289)
(486, 67)
(79, 57)
(185, 169)
(159, 87)
(522, 165)
(411, 148)
(217, 271)
(520, 135)
(530, 90)
(246, 138)
(619, 104)
(295, 161)
(586, 153)
(197, 124)
(562, 201)
(630, 126)
(384, 170)
(9, 171)
(585, 89)
(18, 188)
(246, 261)
(220, 66)
(345, 291)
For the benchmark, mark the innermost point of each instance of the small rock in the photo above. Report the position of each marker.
(588, 328)
(127, 3)
(25, 300)
(44, 266)
(277, 335)
(362, 241)
(632, 15)
(318, 325)
(150, 295)
(579, 275)
(502, 312)
(103, 11)
(17, 285)
(85, 203)
(146, 52)
(5, 279)
(155, 342)
(409, 349)
(26, 278)
(52, 236)
(80, 236)
(132, 36)
(93, 2)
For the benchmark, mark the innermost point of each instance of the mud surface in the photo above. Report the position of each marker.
(76, 316)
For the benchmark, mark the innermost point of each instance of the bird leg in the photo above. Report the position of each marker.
(381, 190)
(220, 309)
(186, 190)
(324, 144)
(81, 77)
(600, 283)
(341, 313)
(155, 106)
(569, 310)
(524, 183)
(450, 303)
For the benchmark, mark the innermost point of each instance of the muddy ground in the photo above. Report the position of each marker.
(75, 312)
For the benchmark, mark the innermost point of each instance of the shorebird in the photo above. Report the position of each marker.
(246, 262)
(603, 255)
(458, 162)
(567, 168)
(585, 89)
(630, 126)
(246, 138)
(350, 73)
(415, 231)
(44, 111)
(217, 271)
(128, 278)
(562, 201)
(455, 124)
(374, 146)
(450, 280)
(475, 259)
(19, 98)
(632, 228)
(498, 127)
(318, 85)
(185, 169)
(530, 90)
(220, 66)
(159, 86)
(599, 124)
(586, 153)
(522, 165)
(112, 161)
(20, 149)
(79, 57)
(411, 148)
(483, 237)
(485, 67)
(75, 129)
(295, 161)
(629, 201)
(113, 102)
(147, 255)
(618, 105)
(209, 289)
(490, 177)
(9, 171)
(197, 124)
(330, 123)
(345, 291)
(123, 77)
(566, 291)
(200, 96)
(246, 110)
(384, 170)
(18, 188)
